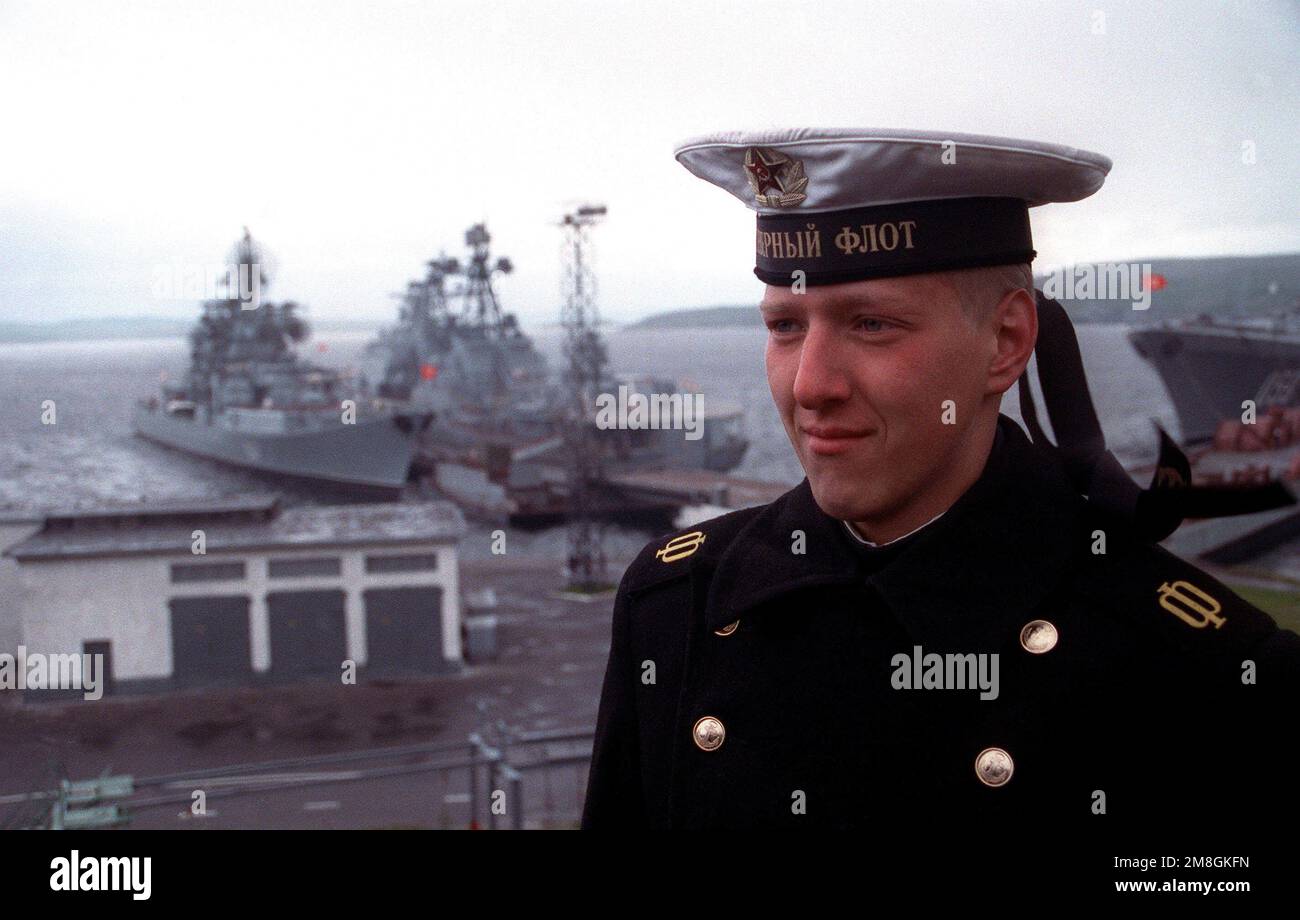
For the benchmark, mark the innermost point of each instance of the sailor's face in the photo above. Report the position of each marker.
(876, 382)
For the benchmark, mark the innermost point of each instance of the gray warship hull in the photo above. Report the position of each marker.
(1210, 370)
(372, 457)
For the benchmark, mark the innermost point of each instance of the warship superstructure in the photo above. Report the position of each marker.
(496, 443)
(473, 366)
(248, 400)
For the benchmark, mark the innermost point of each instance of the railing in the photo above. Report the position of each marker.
(505, 800)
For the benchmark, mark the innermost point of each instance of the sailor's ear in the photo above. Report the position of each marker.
(1015, 324)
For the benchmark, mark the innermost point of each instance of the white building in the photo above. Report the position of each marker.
(178, 595)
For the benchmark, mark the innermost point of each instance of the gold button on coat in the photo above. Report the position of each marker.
(728, 629)
(708, 733)
(1038, 636)
(994, 767)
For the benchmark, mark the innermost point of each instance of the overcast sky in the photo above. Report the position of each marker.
(356, 140)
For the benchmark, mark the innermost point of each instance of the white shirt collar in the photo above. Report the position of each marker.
(858, 537)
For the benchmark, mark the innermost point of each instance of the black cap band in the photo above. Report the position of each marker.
(893, 239)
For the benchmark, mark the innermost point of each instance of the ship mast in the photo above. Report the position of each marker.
(247, 258)
(481, 306)
(424, 304)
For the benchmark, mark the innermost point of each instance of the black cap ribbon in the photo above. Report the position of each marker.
(1153, 513)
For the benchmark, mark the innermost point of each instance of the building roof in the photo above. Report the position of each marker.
(246, 504)
(235, 525)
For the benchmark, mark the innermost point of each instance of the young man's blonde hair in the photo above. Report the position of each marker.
(981, 289)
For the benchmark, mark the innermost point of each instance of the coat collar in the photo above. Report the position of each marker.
(966, 578)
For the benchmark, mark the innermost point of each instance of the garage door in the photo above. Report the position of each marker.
(308, 632)
(404, 628)
(210, 640)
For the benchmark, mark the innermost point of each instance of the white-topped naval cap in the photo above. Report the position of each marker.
(831, 169)
(848, 204)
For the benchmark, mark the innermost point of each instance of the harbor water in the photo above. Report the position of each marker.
(89, 455)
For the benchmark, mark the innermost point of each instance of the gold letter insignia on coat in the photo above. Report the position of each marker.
(1190, 604)
(681, 547)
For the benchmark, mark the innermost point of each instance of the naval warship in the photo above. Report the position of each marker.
(473, 367)
(249, 401)
(1211, 366)
(496, 444)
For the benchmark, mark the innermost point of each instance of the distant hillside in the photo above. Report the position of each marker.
(108, 327)
(1222, 286)
(132, 327)
(700, 317)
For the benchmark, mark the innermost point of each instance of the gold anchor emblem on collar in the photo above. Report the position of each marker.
(680, 547)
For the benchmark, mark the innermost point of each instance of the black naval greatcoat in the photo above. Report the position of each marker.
(754, 685)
